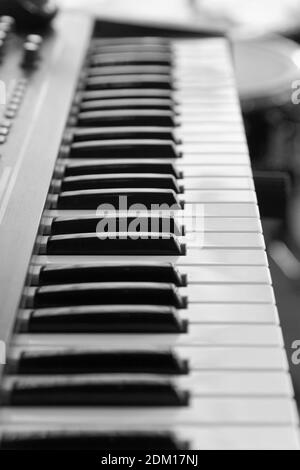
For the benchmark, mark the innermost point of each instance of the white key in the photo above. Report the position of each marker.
(201, 412)
(230, 293)
(229, 358)
(225, 240)
(231, 313)
(222, 224)
(213, 158)
(209, 94)
(218, 224)
(218, 183)
(199, 104)
(241, 438)
(231, 210)
(224, 257)
(238, 383)
(198, 335)
(195, 111)
(222, 148)
(206, 97)
(209, 138)
(193, 85)
(219, 196)
(227, 274)
(211, 118)
(214, 171)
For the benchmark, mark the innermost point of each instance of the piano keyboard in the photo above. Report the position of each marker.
(150, 330)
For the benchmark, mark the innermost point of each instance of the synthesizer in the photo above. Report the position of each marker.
(137, 308)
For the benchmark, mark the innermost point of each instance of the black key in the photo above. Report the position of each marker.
(116, 319)
(107, 272)
(137, 104)
(161, 82)
(126, 93)
(68, 362)
(124, 132)
(66, 295)
(92, 224)
(120, 180)
(149, 244)
(132, 58)
(97, 392)
(126, 117)
(93, 198)
(130, 70)
(127, 148)
(96, 440)
(118, 166)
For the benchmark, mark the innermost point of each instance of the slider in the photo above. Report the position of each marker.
(84, 392)
(93, 440)
(66, 295)
(124, 132)
(90, 224)
(119, 180)
(66, 362)
(116, 319)
(107, 272)
(126, 148)
(112, 244)
(115, 82)
(74, 168)
(93, 198)
(137, 103)
(126, 117)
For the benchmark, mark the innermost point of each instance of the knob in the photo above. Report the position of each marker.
(35, 39)
(7, 24)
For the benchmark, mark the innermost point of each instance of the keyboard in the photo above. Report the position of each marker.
(137, 305)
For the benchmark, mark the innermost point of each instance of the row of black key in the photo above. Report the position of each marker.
(128, 107)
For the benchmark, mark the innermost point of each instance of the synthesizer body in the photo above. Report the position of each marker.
(169, 339)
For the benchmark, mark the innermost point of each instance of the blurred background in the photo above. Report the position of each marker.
(265, 37)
